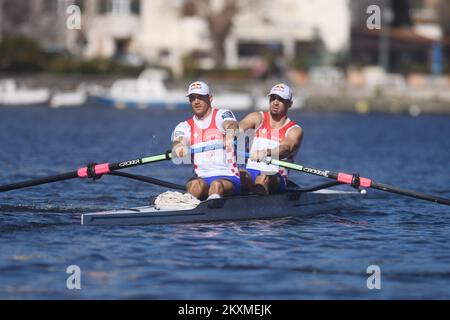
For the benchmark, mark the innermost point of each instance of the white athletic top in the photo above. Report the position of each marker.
(206, 132)
(267, 137)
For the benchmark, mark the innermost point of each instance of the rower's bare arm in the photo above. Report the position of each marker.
(231, 127)
(180, 147)
(251, 121)
(290, 143)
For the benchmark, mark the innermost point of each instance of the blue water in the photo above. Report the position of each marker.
(322, 257)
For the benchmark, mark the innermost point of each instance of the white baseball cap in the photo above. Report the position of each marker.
(198, 87)
(281, 90)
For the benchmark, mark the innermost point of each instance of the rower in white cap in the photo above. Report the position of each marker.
(216, 172)
(276, 136)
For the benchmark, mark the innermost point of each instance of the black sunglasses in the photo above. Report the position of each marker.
(273, 97)
(193, 97)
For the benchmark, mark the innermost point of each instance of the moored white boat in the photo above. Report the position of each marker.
(148, 91)
(75, 98)
(13, 95)
(233, 101)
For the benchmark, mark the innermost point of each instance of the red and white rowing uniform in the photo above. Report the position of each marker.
(267, 137)
(206, 132)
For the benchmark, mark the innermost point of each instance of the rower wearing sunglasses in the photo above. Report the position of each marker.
(216, 172)
(275, 136)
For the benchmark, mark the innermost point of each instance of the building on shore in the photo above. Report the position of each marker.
(411, 38)
(165, 32)
(237, 33)
(41, 20)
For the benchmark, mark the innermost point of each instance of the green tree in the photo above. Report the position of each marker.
(21, 54)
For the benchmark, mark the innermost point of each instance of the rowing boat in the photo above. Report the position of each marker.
(290, 204)
(295, 202)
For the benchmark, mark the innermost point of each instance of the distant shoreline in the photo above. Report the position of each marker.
(342, 98)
